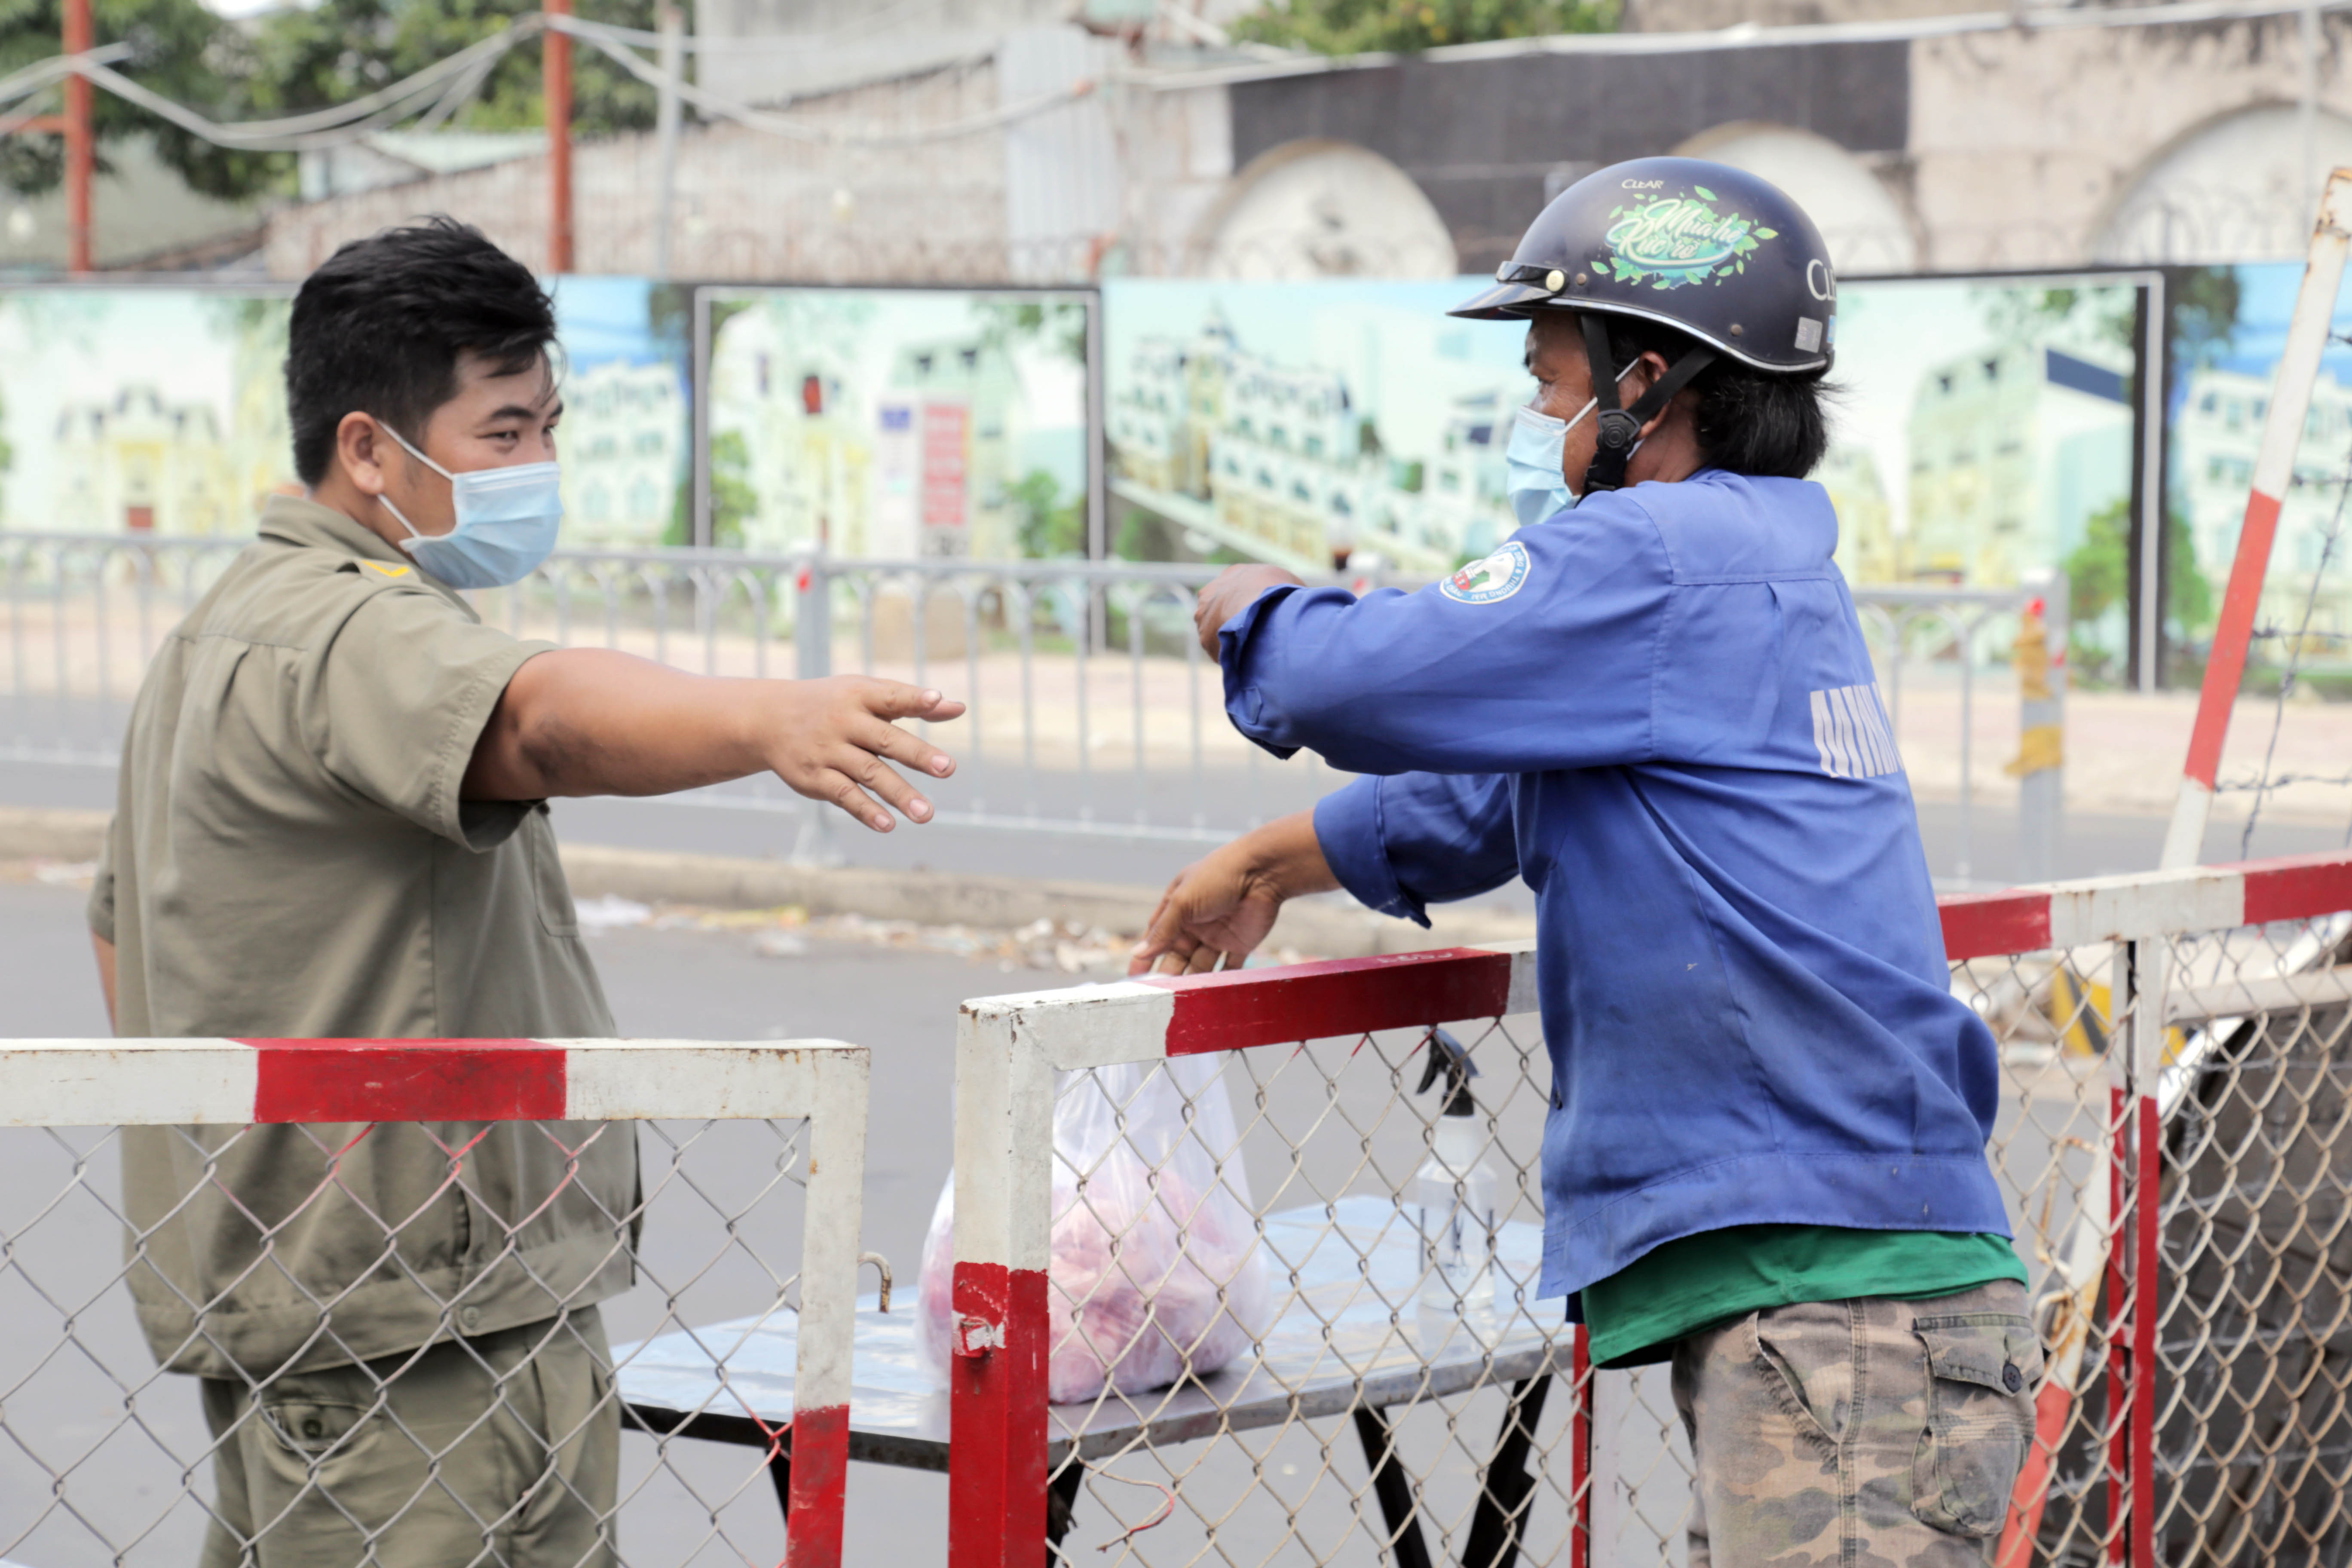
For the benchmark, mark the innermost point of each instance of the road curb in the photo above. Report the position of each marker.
(1324, 928)
(29, 833)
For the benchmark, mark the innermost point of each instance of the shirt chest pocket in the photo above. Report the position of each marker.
(549, 890)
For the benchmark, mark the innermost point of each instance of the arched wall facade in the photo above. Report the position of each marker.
(1867, 230)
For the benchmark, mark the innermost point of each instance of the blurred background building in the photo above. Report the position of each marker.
(1062, 140)
(1041, 140)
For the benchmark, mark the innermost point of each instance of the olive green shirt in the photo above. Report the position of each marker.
(291, 858)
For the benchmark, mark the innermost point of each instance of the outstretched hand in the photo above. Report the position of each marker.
(837, 737)
(1220, 908)
(1214, 913)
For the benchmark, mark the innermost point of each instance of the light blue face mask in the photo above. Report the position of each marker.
(506, 521)
(1533, 460)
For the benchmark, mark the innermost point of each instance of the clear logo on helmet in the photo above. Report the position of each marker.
(1669, 242)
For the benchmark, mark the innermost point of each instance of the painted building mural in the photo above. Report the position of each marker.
(896, 424)
(141, 410)
(626, 439)
(1305, 423)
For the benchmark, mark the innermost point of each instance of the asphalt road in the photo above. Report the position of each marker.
(760, 821)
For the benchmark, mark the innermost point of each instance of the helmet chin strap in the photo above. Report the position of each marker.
(1620, 429)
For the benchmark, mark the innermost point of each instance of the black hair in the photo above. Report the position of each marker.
(1747, 421)
(379, 329)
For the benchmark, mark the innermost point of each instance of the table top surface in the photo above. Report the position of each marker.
(1349, 1330)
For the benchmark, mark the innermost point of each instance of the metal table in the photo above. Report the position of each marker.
(1337, 1347)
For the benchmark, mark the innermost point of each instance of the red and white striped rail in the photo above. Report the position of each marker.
(97, 1083)
(1010, 1049)
(2298, 369)
(2145, 904)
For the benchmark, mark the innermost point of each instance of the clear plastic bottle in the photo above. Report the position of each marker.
(1453, 1200)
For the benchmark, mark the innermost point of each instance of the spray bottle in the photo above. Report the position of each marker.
(1454, 1190)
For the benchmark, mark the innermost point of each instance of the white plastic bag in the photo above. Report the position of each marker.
(1156, 1269)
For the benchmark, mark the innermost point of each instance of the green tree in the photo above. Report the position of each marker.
(2027, 315)
(295, 61)
(1050, 528)
(2098, 577)
(1407, 27)
(1061, 323)
(181, 50)
(2205, 303)
(2204, 312)
(2189, 598)
(732, 499)
(314, 59)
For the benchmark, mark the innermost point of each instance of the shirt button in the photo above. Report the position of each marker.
(2010, 1378)
(470, 1316)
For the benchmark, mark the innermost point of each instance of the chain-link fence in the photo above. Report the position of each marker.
(1093, 711)
(253, 1319)
(1209, 1261)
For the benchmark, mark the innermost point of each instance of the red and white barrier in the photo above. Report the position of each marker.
(1011, 1049)
(86, 1083)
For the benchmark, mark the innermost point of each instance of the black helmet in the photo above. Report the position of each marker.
(1704, 248)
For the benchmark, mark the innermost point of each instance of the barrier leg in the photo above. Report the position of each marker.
(1393, 1487)
(1062, 1508)
(1496, 1526)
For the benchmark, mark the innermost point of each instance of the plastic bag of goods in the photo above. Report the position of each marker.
(1155, 1267)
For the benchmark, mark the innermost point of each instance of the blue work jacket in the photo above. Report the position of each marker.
(1658, 710)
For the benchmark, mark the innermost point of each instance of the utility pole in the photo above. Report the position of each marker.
(82, 151)
(555, 54)
(673, 66)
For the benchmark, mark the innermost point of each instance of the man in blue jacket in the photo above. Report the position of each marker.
(1764, 1160)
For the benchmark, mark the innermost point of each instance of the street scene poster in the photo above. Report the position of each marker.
(897, 423)
(1984, 429)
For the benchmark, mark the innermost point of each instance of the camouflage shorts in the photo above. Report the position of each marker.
(1864, 1434)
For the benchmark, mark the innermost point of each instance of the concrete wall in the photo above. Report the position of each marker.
(749, 206)
(2002, 149)
(1481, 136)
(2022, 144)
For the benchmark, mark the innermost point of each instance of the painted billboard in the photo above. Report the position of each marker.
(1982, 429)
(1985, 429)
(1307, 422)
(626, 439)
(897, 423)
(141, 410)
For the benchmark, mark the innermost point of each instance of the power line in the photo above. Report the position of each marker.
(599, 37)
(441, 89)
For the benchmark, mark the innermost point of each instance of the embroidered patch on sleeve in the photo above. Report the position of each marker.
(1852, 734)
(1496, 578)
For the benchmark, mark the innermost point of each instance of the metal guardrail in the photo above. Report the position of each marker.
(1093, 711)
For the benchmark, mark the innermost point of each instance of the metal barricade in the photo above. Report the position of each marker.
(1092, 710)
(2175, 1165)
(422, 1286)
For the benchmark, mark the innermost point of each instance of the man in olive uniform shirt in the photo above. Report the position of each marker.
(333, 822)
